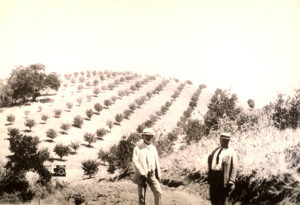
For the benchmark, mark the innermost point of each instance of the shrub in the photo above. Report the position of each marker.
(96, 91)
(78, 121)
(88, 84)
(79, 100)
(75, 146)
(51, 133)
(30, 123)
(79, 87)
(193, 131)
(286, 113)
(25, 157)
(98, 107)
(89, 97)
(10, 118)
(121, 93)
(90, 167)
(26, 112)
(127, 114)
(61, 150)
(110, 124)
(69, 105)
(44, 117)
(119, 118)
(101, 132)
(57, 113)
(81, 79)
(89, 113)
(40, 108)
(111, 86)
(132, 106)
(114, 98)
(65, 127)
(107, 102)
(222, 105)
(90, 138)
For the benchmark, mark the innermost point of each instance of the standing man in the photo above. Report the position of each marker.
(222, 168)
(147, 168)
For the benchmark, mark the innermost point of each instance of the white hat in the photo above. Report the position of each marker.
(225, 135)
(148, 131)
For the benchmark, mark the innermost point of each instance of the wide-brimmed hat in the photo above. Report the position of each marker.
(225, 135)
(148, 131)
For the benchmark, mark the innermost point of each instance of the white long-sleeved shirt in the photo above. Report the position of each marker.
(145, 159)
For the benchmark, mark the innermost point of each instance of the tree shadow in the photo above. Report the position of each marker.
(48, 140)
(63, 133)
(87, 145)
(26, 130)
(72, 152)
(46, 100)
(57, 159)
(87, 119)
(100, 138)
(7, 124)
(42, 123)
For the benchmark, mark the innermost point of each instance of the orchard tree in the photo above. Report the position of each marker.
(10, 118)
(75, 145)
(98, 107)
(51, 133)
(90, 167)
(89, 113)
(90, 138)
(61, 150)
(30, 123)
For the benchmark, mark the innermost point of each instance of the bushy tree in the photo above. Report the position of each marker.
(75, 146)
(98, 107)
(77, 121)
(127, 114)
(30, 123)
(10, 118)
(132, 107)
(57, 113)
(101, 132)
(44, 117)
(65, 127)
(69, 105)
(119, 118)
(79, 100)
(25, 157)
(90, 138)
(222, 105)
(28, 82)
(89, 113)
(51, 133)
(90, 167)
(107, 102)
(61, 150)
(194, 130)
(96, 91)
(110, 124)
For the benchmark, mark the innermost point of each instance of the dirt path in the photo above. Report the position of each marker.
(123, 192)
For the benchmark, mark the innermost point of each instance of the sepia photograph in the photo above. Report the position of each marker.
(140, 102)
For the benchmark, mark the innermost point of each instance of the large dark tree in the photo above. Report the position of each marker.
(25, 157)
(28, 82)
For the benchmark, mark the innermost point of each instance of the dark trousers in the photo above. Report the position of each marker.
(218, 193)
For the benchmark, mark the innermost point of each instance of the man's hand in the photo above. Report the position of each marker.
(230, 186)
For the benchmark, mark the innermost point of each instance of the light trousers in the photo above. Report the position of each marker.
(154, 184)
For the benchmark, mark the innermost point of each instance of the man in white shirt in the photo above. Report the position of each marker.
(222, 168)
(147, 168)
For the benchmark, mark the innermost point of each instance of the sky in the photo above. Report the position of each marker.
(251, 47)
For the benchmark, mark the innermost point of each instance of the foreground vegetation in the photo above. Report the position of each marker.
(266, 140)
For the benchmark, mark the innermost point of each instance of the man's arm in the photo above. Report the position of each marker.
(233, 167)
(157, 164)
(135, 160)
